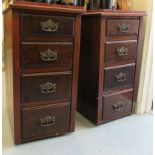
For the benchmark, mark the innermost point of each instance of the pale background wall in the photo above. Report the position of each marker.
(145, 97)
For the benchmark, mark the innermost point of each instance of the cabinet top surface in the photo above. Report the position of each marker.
(45, 7)
(109, 12)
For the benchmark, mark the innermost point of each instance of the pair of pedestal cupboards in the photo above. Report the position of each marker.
(49, 75)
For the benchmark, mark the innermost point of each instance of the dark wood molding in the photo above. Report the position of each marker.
(16, 75)
(75, 71)
(27, 5)
(116, 13)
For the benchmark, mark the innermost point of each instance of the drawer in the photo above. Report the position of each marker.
(119, 76)
(120, 51)
(46, 55)
(117, 105)
(45, 121)
(122, 27)
(45, 87)
(46, 25)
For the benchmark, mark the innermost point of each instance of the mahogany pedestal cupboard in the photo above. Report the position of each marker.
(42, 44)
(110, 58)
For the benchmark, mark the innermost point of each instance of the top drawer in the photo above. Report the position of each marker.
(122, 27)
(46, 25)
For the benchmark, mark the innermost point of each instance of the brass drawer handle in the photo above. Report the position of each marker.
(119, 106)
(47, 121)
(120, 77)
(124, 28)
(122, 51)
(48, 55)
(49, 26)
(48, 88)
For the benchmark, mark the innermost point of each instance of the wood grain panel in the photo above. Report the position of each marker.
(117, 105)
(45, 87)
(120, 51)
(46, 25)
(40, 54)
(114, 24)
(45, 121)
(119, 76)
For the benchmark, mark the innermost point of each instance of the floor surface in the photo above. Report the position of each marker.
(131, 135)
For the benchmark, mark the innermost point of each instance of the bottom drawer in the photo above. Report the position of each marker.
(45, 121)
(117, 105)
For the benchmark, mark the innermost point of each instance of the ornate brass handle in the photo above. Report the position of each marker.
(120, 77)
(124, 28)
(49, 26)
(47, 121)
(118, 106)
(48, 88)
(122, 51)
(49, 55)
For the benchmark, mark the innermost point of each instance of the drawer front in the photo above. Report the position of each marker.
(117, 105)
(46, 25)
(46, 55)
(45, 121)
(120, 51)
(119, 76)
(45, 87)
(122, 27)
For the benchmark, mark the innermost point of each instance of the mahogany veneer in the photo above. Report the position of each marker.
(30, 24)
(59, 124)
(42, 44)
(110, 60)
(62, 54)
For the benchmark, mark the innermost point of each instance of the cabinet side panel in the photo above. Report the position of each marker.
(101, 68)
(89, 68)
